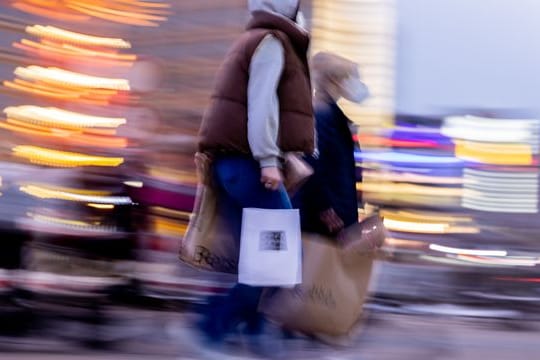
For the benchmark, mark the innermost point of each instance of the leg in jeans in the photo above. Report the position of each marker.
(238, 181)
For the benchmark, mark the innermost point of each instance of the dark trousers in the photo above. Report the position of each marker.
(238, 181)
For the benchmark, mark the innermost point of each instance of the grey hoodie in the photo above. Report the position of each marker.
(287, 8)
(264, 76)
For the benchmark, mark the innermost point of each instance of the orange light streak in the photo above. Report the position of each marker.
(29, 125)
(69, 78)
(59, 55)
(118, 8)
(55, 14)
(145, 4)
(34, 91)
(64, 136)
(70, 92)
(103, 132)
(108, 55)
(124, 18)
(65, 36)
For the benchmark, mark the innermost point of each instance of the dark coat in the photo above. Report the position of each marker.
(333, 184)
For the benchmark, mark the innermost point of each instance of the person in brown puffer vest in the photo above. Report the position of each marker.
(260, 109)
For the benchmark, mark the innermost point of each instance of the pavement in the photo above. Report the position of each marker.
(383, 336)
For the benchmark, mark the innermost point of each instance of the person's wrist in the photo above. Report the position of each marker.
(271, 161)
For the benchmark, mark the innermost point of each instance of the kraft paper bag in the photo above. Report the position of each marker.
(336, 276)
(209, 242)
(270, 248)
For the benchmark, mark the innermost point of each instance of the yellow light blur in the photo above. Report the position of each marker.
(60, 118)
(51, 32)
(158, 210)
(172, 175)
(101, 206)
(166, 227)
(425, 216)
(64, 77)
(415, 227)
(427, 224)
(42, 156)
(494, 153)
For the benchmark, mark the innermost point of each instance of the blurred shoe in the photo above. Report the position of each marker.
(267, 344)
(191, 339)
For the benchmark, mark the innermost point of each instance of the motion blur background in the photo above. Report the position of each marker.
(101, 102)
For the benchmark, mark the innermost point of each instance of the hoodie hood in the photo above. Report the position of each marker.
(287, 8)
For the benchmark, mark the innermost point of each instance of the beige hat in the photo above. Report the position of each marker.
(328, 68)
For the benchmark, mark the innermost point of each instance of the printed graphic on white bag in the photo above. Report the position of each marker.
(273, 241)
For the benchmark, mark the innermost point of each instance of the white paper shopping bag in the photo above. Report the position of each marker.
(270, 248)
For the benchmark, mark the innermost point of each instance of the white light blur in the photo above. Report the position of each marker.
(389, 156)
(134, 183)
(499, 261)
(476, 128)
(451, 250)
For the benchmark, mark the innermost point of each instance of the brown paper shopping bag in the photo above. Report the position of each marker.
(209, 242)
(335, 285)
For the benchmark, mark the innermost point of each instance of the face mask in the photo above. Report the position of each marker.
(354, 90)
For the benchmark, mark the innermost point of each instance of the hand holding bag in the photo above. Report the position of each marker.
(296, 172)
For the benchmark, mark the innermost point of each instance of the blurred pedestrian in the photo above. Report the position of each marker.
(261, 108)
(329, 201)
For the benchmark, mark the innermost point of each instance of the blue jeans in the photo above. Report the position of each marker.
(237, 180)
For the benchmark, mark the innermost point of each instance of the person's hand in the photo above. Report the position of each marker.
(271, 177)
(333, 222)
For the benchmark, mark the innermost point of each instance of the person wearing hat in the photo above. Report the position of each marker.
(328, 202)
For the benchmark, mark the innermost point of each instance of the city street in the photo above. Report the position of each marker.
(385, 336)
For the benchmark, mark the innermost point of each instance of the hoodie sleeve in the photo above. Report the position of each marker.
(265, 72)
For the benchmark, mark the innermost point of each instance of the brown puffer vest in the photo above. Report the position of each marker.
(224, 125)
